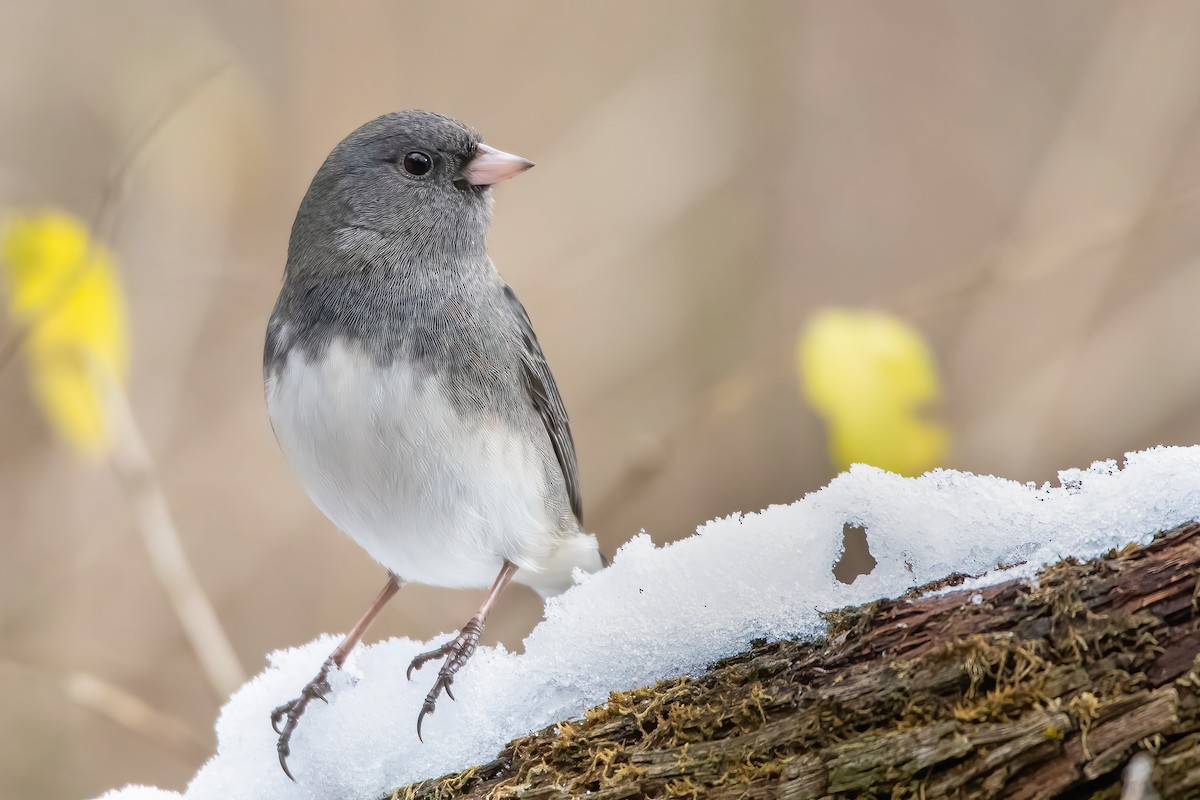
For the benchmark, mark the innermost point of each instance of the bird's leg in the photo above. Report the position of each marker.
(284, 718)
(459, 649)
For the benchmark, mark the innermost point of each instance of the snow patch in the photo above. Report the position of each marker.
(660, 612)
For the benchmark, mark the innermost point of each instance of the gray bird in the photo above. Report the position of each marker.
(407, 389)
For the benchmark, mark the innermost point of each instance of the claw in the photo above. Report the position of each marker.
(292, 710)
(420, 718)
(318, 687)
(283, 754)
(457, 652)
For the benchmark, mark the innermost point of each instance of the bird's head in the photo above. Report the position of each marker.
(419, 181)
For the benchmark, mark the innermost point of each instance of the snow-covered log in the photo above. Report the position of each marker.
(1037, 688)
(1037, 676)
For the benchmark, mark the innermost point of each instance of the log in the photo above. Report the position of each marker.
(1027, 690)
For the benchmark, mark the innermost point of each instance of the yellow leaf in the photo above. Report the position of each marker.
(873, 379)
(64, 293)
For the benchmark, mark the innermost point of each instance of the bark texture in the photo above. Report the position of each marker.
(1023, 690)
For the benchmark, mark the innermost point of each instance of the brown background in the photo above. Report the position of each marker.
(1018, 179)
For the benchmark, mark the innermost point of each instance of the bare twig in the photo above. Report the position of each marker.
(152, 515)
(130, 456)
(132, 712)
(120, 706)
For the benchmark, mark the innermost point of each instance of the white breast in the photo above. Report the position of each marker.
(434, 497)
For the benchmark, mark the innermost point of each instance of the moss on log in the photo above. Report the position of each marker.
(1024, 690)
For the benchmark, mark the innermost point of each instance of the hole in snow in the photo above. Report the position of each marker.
(856, 555)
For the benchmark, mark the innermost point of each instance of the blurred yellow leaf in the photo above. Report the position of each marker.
(873, 379)
(65, 295)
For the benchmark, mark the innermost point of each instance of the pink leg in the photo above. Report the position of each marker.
(459, 649)
(318, 687)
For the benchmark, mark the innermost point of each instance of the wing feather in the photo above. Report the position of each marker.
(543, 393)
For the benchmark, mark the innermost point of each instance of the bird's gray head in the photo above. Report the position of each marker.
(413, 184)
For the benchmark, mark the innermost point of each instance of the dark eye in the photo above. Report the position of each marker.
(417, 163)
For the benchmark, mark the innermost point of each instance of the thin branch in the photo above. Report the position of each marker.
(122, 707)
(152, 515)
(132, 712)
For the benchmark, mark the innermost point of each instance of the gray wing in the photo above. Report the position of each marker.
(543, 393)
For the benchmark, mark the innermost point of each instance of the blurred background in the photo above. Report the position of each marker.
(1018, 182)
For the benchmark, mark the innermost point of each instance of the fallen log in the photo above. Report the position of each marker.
(1028, 689)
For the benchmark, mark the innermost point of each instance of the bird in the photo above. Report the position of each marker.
(408, 391)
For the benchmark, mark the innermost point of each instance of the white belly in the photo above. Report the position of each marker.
(433, 497)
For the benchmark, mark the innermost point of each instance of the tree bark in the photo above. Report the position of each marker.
(1024, 690)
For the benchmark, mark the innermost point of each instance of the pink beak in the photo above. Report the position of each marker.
(490, 166)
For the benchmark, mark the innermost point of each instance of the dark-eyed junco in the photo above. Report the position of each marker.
(406, 386)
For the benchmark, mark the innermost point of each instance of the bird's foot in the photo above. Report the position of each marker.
(457, 652)
(285, 717)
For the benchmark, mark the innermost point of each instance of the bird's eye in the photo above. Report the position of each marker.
(417, 163)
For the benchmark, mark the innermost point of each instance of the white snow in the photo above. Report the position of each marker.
(664, 611)
(140, 793)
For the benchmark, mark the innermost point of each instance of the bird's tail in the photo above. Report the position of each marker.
(553, 573)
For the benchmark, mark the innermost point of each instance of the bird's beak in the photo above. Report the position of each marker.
(490, 166)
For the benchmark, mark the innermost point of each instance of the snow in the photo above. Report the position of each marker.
(141, 793)
(659, 612)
